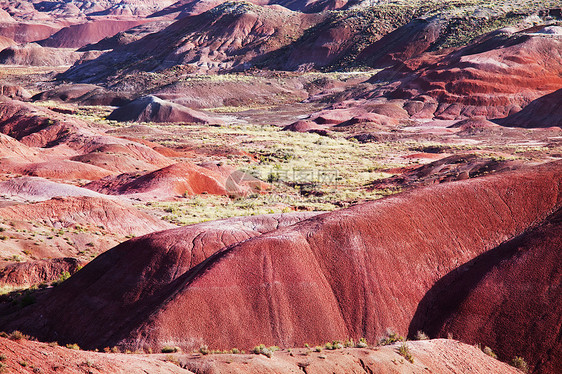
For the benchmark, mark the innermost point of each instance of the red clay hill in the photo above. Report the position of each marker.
(545, 111)
(153, 109)
(348, 273)
(141, 289)
(494, 77)
(181, 179)
(509, 298)
(235, 34)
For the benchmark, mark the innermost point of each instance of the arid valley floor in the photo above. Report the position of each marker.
(321, 186)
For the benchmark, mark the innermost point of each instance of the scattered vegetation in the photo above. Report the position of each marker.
(333, 345)
(73, 346)
(420, 335)
(170, 349)
(520, 363)
(64, 276)
(17, 335)
(487, 350)
(404, 351)
(391, 338)
(173, 359)
(362, 343)
(262, 349)
(204, 350)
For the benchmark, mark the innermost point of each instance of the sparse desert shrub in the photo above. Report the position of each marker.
(17, 335)
(404, 351)
(64, 276)
(173, 360)
(420, 335)
(333, 345)
(73, 346)
(169, 349)
(257, 350)
(391, 338)
(362, 343)
(90, 364)
(262, 349)
(520, 363)
(349, 343)
(317, 349)
(204, 350)
(487, 350)
(234, 351)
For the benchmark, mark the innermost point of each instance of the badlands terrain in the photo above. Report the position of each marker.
(321, 186)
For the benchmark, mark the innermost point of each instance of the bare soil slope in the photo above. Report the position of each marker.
(439, 356)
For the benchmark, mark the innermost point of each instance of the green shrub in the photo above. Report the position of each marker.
(404, 351)
(487, 350)
(168, 349)
(64, 276)
(391, 338)
(267, 352)
(204, 350)
(262, 349)
(362, 343)
(73, 346)
(520, 364)
(420, 335)
(17, 335)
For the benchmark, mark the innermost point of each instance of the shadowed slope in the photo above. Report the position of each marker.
(543, 112)
(509, 298)
(38, 127)
(222, 38)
